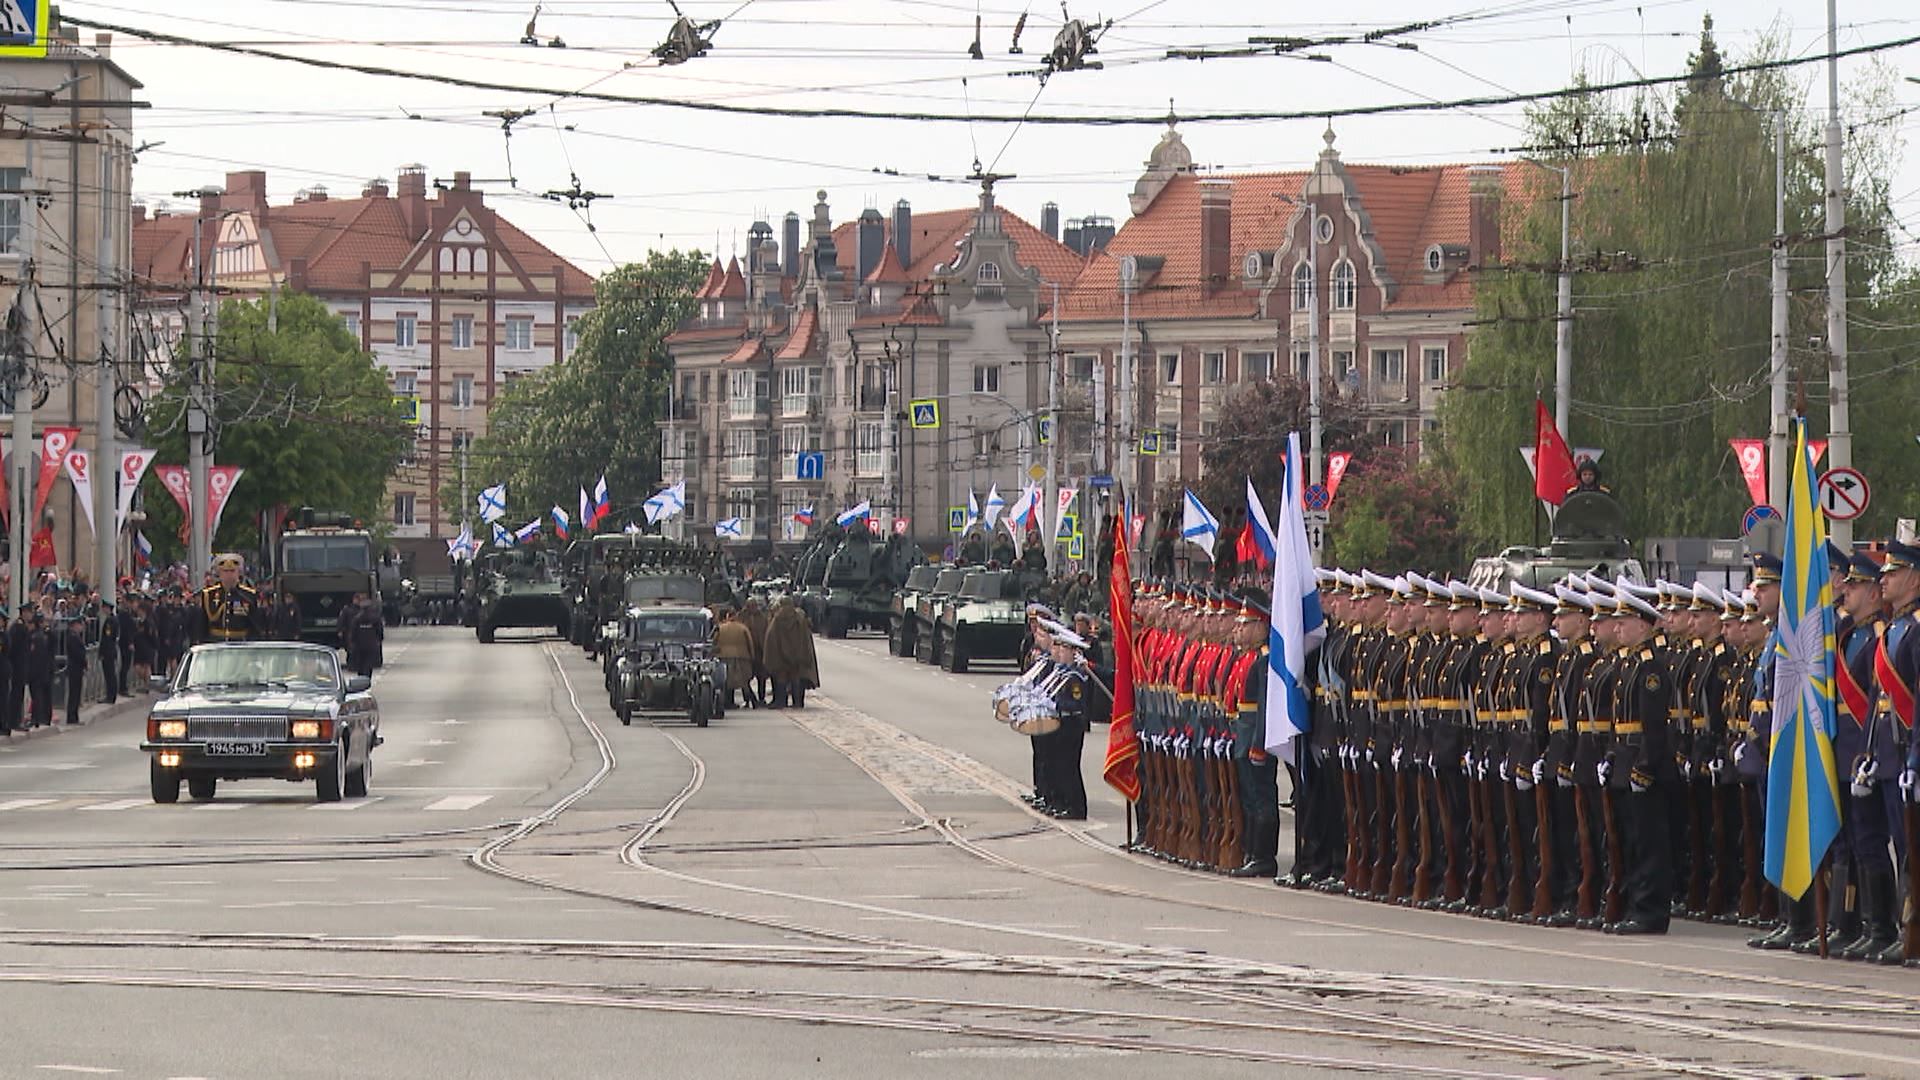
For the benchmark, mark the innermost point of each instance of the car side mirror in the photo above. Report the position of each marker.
(359, 684)
(159, 684)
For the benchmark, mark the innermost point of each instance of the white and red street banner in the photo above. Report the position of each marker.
(55, 442)
(220, 482)
(179, 484)
(1067, 495)
(133, 466)
(1752, 456)
(80, 471)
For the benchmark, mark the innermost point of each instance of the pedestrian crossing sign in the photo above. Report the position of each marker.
(23, 27)
(1150, 443)
(956, 519)
(1077, 546)
(924, 413)
(1069, 526)
(409, 403)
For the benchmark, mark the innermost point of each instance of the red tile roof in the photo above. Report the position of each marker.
(734, 286)
(714, 277)
(936, 239)
(888, 271)
(800, 342)
(748, 350)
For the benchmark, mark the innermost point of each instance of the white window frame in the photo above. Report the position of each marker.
(406, 330)
(13, 207)
(1302, 286)
(988, 274)
(404, 508)
(986, 377)
(1256, 364)
(868, 445)
(1345, 286)
(406, 383)
(1389, 367)
(460, 332)
(352, 320)
(461, 388)
(572, 339)
(1170, 369)
(1428, 354)
(460, 440)
(1081, 366)
(519, 333)
(1213, 368)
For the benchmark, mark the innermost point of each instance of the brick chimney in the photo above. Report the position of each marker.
(1216, 233)
(412, 186)
(1483, 213)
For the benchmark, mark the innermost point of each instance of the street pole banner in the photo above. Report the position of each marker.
(55, 442)
(133, 466)
(1752, 456)
(1336, 470)
(220, 481)
(80, 471)
(179, 483)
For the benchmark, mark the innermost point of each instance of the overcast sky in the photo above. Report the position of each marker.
(678, 178)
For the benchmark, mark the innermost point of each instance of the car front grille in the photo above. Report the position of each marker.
(237, 727)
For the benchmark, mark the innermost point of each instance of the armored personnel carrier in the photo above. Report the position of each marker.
(520, 588)
(861, 577)
(901, 627)
(1589, 536)
(986, 620)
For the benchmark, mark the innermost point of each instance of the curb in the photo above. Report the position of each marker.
(88, 716)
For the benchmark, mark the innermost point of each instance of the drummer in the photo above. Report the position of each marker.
(1065, 795)
(1038, 652)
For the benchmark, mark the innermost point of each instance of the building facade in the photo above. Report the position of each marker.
(453, 301)
(66, 163)
(837, 344)
(1230, 273)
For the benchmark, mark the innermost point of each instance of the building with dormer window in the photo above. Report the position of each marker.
(821, 345)
(452, 299)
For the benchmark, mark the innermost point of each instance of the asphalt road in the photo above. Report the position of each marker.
(850, 890)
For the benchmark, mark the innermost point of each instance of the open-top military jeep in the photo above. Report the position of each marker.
(665, 665)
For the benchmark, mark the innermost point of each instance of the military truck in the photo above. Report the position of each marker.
(520, 588)
(927, 607)
(809, 585)
(900, 616)
(861, 577)
(1589, 536)
(608, 573)
(986, 620)
(323, 560)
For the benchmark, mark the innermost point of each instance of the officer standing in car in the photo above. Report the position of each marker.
(227, 610)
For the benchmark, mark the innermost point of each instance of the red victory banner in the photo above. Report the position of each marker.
(1121, 769)
(1553, 471)
(1752, 456)
(1336, 469)
(220, 481)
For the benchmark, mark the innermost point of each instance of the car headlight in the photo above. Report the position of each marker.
(170, 729)
(310, 729)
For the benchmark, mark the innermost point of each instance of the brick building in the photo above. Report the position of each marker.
(452, 299)
(1225, 275)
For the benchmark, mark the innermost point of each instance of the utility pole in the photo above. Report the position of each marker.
(1052, 428)
(199, 544)
(1130, 461)
(1316, 456)
(1839, 423)
(1777, 442)
(25, 346)
(1563, 321)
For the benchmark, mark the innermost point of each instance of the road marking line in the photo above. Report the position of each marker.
(343, 807)
(79, 1069)
(110, 910)
(24, 804)
(1184, 929)
(118, 804)
(458, 802)
(220, 806)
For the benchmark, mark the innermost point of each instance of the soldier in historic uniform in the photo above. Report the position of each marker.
(1257, 769)
(1640, 771)
(1863, 749)
(1537, 656)
(1705, 691)
(1897, 668)
(1394, 819)
(1569, 815)
(228, 609)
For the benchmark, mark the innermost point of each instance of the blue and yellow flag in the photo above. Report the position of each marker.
(1803, 788)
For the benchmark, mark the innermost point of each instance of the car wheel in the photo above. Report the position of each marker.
(720, 703)
(200, 787)
(956, 658)
(564, 629)
(837, 623)
(625, 709)
(697, 710)
(331, 781)
(937, 655)
(166, 782)
(360, 777)
(485, 633)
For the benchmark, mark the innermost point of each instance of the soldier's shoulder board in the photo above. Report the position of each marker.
(1546, 646)
(1586, 648)
(1646, 654)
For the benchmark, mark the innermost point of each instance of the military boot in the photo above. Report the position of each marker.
(1797, 928)
(1877, 907)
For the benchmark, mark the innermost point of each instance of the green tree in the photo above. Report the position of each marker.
(1673, 220)
(300, 406)
(1251, 440)
(555, 432)
(1396, 512)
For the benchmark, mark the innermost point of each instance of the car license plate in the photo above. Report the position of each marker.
(237, 749)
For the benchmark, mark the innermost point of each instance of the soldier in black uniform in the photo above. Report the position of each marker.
(7, 720)
(1640, 771)
(39, 653)
(1067, 798)
(227, 610)
(1258, 770)
(16, 700)
(110, 652)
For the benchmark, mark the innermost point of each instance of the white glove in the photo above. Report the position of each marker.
(1717, 766)
(1540, 771)
(1739, 751)
(1604, 770)
(1395, 760)
(1505, 777)
(1468, 763)
(1910, 785)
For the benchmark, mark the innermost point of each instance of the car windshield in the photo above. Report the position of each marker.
(949, 581)
(983, 586)
(292, 667)
(670, 628)
(314, 554)
(649, 588)
(922, 576)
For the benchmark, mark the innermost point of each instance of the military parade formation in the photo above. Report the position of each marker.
(1591, 755)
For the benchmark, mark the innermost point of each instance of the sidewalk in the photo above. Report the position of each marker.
(89, 714)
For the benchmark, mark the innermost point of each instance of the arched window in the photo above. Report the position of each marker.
(1302, 287)
(989, 274)
(1344, 290)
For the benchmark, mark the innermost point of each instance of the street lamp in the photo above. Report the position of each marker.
(1315, 454)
